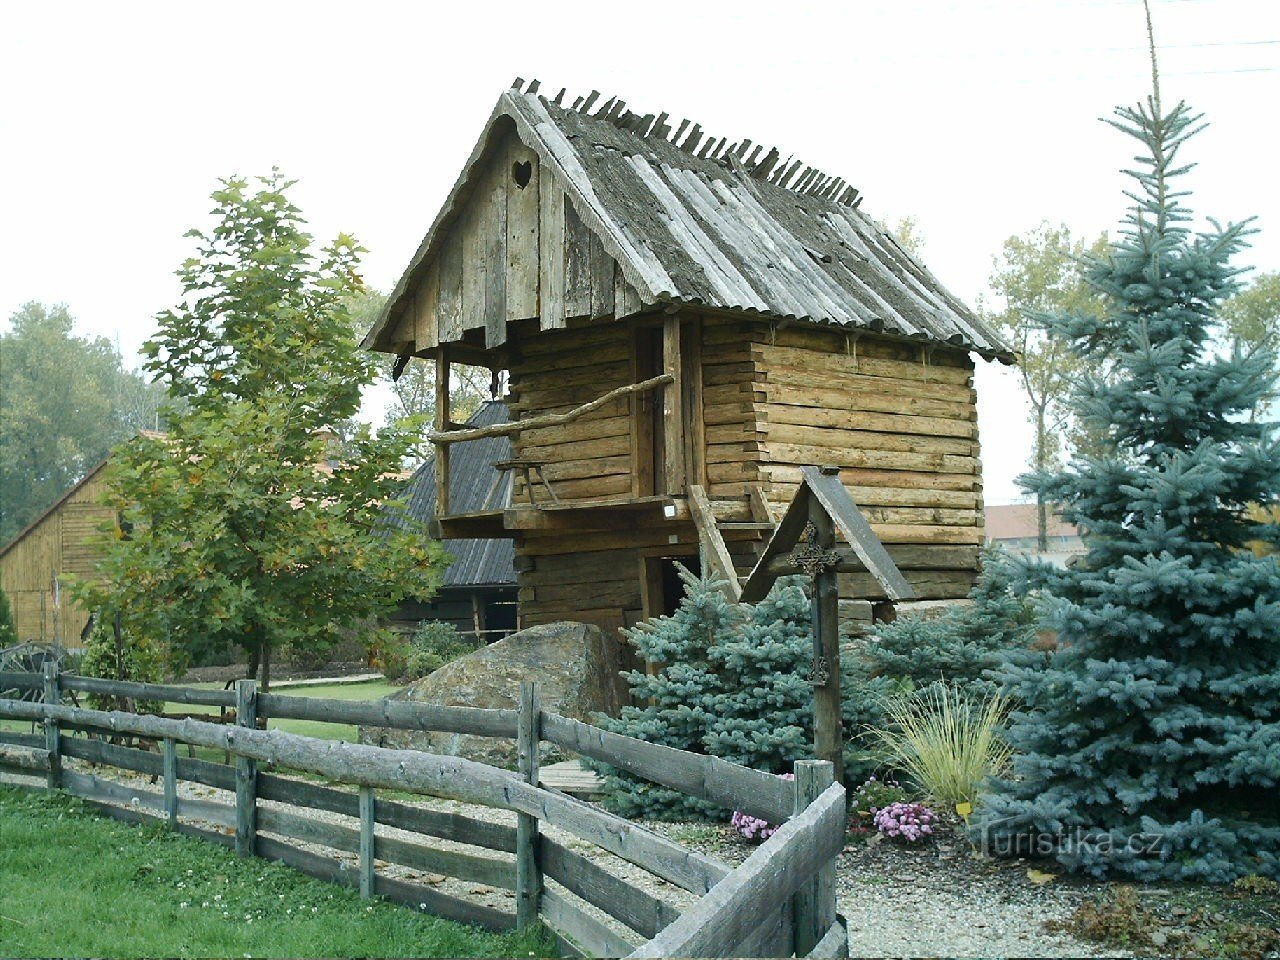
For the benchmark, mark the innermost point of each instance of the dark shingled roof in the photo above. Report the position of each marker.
(692, 219)
(473, 481)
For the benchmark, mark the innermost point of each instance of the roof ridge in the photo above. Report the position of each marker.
(744, 155)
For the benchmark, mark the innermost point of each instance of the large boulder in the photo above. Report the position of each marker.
(572, 663)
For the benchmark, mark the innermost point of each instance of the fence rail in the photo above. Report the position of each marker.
(788, 870)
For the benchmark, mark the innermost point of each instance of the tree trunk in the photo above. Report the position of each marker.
(255, 656)
(1042, 509)
(266, 666)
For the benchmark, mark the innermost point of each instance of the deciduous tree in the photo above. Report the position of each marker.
(242, 527)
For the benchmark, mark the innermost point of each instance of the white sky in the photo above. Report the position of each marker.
(978, 117)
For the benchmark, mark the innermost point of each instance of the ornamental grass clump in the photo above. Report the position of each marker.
(911, 822)
(945, 739)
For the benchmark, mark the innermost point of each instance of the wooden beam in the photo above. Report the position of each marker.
(848, 519)
(673, 406)
(715, 554)
(528, 874)
(828, 739)
(442, 438)
(442, 424)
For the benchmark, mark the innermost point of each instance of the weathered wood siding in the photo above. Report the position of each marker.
(67, 540)
(900, 421)
(516, 249)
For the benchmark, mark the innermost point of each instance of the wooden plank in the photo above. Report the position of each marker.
(828, 735)
(626, 300)
(834, 943)
(774, 554)
(691, 383)
(591, 936)
(602, 286)
(447, 826)
(304, 861)
(844, 513)
(551, 253)
(773, 935)
(134, 815)
(308, 830)
(426, 306)
(396, 714)
(473, 236)
(528, 876)
(730, 913)
(492, 871)
(443, 905)
(814, 904)
(715, 554)
(709, 778)
(673, 413)
(494, 241)
(22, 739)
(210, 811)
(150, 691)
(110, 754)
(304, 794)
(640, 911)
(449, 309)
(21, 681)
(97, 788)
(211, 774)
(577, 264)
(246, 770)
(522, 232)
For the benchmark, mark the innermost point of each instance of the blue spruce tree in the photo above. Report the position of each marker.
(1150, 744)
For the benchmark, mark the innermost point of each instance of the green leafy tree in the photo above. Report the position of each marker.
(1253, 314)
(240, 529)
(1034, 274)
(66, 401)
(1150, 743)
(413, 392)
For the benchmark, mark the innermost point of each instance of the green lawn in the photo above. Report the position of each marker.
(73, 884)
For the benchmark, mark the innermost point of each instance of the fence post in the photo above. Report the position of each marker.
(366, 841)
(246, 771)
(52, 736)
(528, 876)
(171, 781)
(814, 904)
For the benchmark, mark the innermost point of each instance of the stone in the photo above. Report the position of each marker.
(572, 663)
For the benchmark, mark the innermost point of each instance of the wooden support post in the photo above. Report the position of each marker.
(171, 781)
(528, 875)
(443, 423)
(246, 771)
(52, 736)
(673, 425)
(815, 902)
(366, 841)
(828, 739)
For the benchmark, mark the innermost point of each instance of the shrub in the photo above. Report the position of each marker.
(433, 645)
(872, 796)
(729, 679)
(946, 739)
(911, 822)
(127, 657)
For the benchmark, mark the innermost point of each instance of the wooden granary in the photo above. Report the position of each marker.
(745, 319)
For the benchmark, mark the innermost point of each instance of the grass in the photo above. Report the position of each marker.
(72, 884)
(944, 739)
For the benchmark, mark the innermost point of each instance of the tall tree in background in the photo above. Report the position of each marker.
(241, 527)
(65, 401)
(1036, 274)
(1253, 314)
(1150, 742)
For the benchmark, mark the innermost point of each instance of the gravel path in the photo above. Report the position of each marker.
(937, 900)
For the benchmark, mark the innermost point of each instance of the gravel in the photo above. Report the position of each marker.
(934, 899)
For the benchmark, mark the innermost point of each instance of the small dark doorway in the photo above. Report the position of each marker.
(647, 419)
(663, 588)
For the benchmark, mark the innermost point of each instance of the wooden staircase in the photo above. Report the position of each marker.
(731, 547)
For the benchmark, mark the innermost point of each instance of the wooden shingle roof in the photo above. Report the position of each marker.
(692, 219)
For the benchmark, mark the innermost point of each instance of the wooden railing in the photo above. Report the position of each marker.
(780, 901)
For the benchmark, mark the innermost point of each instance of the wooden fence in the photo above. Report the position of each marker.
(780, 902)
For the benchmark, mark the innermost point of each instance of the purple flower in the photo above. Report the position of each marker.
(911, 821)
